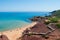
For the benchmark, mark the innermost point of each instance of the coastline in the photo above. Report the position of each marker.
(16, 33)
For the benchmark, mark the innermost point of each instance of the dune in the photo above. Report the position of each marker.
(16, 33)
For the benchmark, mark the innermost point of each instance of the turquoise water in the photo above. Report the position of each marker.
(11, 24)
(11, 20)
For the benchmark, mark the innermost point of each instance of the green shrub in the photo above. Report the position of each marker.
(47, 23)
(54, 20)
(58, 25)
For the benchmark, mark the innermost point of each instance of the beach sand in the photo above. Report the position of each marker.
(16, 33)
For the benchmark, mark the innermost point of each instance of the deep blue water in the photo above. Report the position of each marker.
(20, 15)
(11, 20)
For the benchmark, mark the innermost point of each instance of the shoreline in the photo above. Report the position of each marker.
(16, 33)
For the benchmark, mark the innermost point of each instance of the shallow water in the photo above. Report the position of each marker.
(11, 24)
(11, 20)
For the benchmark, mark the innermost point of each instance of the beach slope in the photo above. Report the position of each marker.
(16, 33)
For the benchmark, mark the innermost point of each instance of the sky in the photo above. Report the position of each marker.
(29, 5)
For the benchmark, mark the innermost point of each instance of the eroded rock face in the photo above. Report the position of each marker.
(40, 27)
(3, 37)
(31, 38)
(37, 18)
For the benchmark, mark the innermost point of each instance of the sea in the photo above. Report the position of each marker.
(12, 20)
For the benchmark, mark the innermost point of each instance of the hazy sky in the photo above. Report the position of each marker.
(29, 5)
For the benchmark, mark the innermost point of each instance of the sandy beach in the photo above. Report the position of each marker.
(16, 33)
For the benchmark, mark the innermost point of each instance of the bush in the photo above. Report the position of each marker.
(47, 23)
(54, 20)
(58, 26)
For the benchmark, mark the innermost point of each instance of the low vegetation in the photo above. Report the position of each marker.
(56, 13)
(58, 25)
(54, 18)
